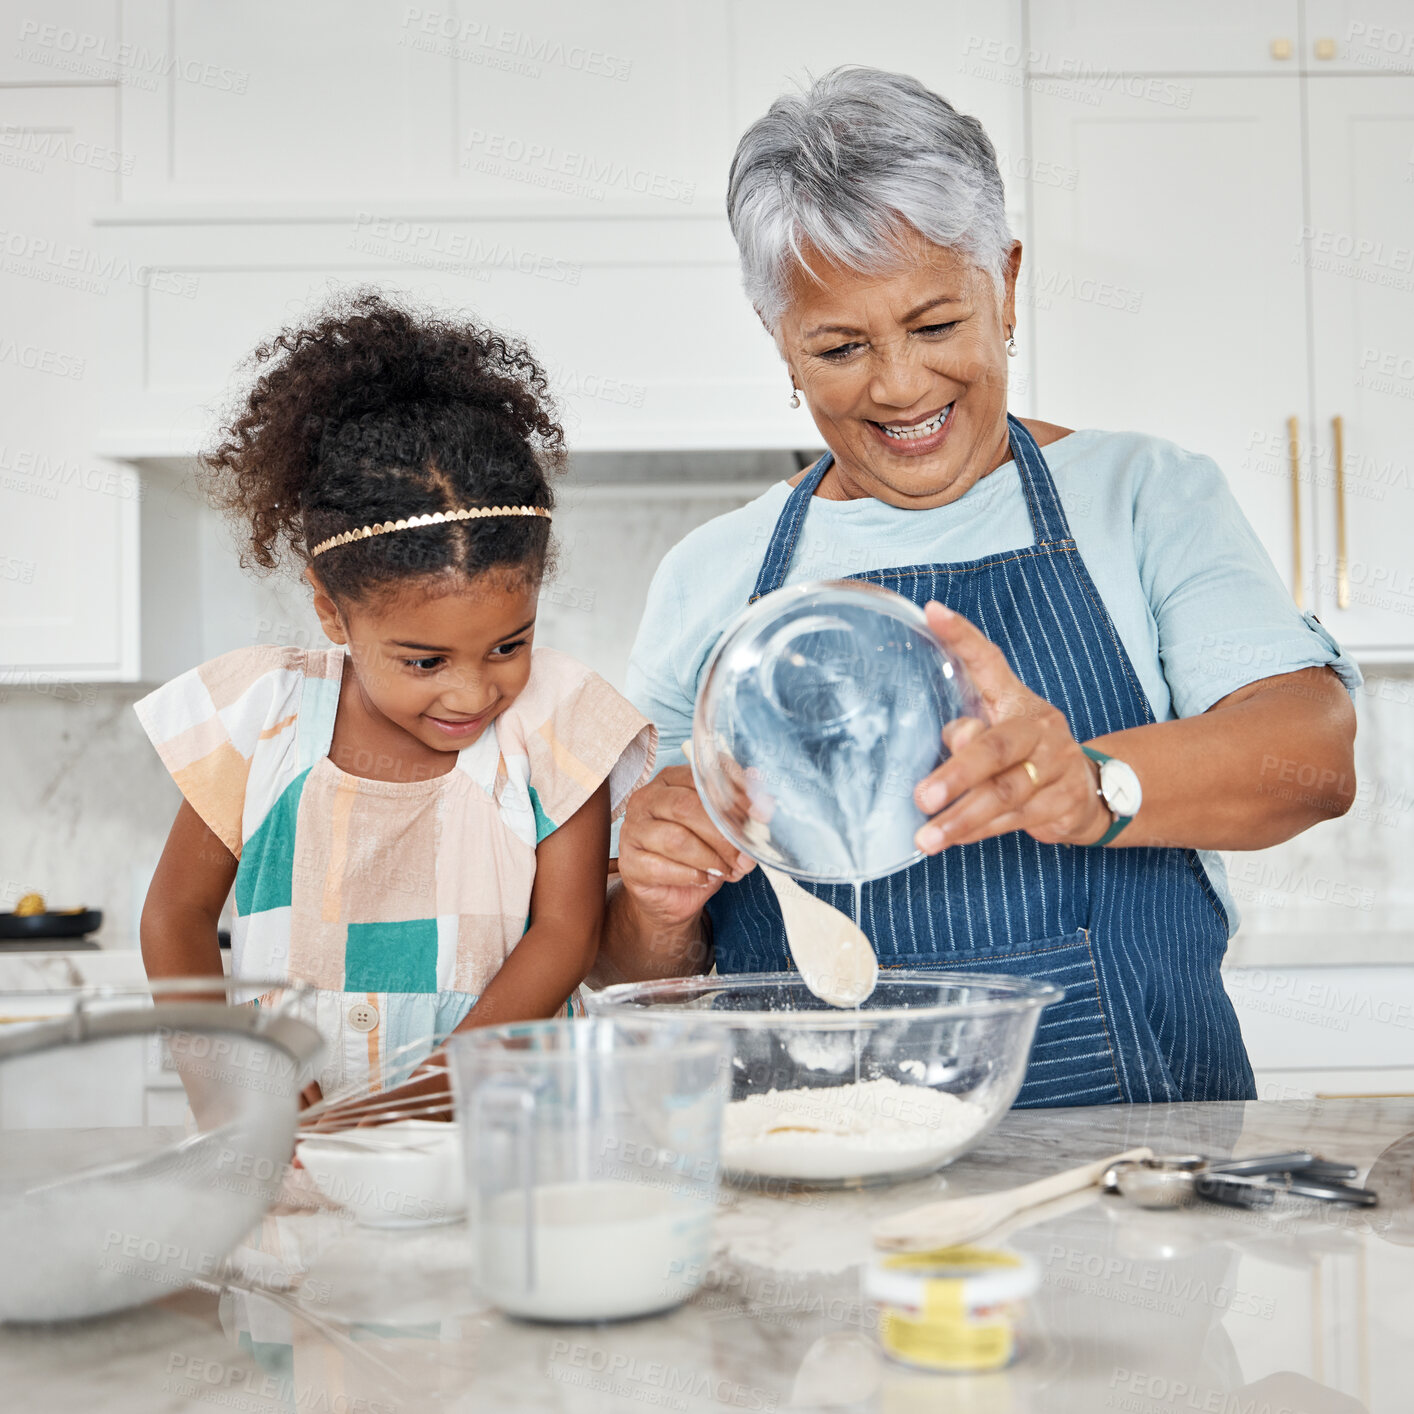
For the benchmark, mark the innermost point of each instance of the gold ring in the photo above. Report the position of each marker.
(1031, 771)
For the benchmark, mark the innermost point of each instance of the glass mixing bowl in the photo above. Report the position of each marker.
(922, 1034)
(820, 709)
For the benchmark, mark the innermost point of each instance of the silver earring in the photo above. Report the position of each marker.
(1011, 341)
(794, 396)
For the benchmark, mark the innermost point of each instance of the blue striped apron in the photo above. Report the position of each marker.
(1135, 936)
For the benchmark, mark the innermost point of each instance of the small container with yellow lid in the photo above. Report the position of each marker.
(953, 1308)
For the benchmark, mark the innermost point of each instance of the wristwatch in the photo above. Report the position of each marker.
(1119, 789)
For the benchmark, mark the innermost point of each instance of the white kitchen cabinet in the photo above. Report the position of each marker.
(61, 41)
(1323, 1031)
(1109, 39)
(95, 1086)
(1252, 252)
(1358, 256)
(68, 518)
(640, 323)
(1082, 39)
(1374, 37)
(127, 1081)
(557, 170)
(578, 103)
(1162, 291)
(585, 103)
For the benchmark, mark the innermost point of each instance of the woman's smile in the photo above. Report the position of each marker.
(915, 437)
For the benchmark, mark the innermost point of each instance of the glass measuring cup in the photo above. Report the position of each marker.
(820, 709)
(591, 1151)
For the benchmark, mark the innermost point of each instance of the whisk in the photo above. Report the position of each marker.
(369, 1147)
(386, 1097)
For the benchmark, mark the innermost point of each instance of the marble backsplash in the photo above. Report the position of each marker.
(87, 805)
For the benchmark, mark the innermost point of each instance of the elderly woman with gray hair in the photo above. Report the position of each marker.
(1140, 662)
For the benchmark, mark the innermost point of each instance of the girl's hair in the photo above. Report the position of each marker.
(376, 412)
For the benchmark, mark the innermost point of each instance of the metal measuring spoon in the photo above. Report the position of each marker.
(1164, 1181)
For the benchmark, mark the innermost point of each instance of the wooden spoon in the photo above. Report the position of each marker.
(955, 1220)
(835, 959)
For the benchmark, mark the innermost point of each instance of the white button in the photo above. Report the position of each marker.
(363, 1017)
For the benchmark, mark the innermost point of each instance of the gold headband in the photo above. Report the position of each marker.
(413, 522)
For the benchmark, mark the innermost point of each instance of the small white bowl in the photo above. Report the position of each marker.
(407, 1174)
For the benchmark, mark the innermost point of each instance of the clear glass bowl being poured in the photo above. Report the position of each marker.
(820, 710)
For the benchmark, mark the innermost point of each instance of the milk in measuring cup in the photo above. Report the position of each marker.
(598, 1250)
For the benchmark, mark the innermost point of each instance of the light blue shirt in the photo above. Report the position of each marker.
(1196, 601)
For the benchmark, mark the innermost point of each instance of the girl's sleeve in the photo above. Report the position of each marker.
(208, 723)
(579, 732)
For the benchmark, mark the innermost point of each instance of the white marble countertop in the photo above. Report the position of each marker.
(1206, 1309)
(24, 970)
(26, 977)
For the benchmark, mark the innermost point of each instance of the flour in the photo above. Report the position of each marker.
(871, 1129)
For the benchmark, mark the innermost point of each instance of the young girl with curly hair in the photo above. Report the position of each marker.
(416, 820)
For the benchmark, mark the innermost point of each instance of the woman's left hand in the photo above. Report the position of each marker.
(985, 787)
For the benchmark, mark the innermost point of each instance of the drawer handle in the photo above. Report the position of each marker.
(1293, 451)
(1342, 559)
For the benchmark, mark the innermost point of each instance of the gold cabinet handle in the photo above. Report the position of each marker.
(1293, 450)
(1342, 558)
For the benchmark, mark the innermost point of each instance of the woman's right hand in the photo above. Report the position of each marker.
(672, 858)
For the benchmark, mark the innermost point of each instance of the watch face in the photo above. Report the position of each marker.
(1120, 787)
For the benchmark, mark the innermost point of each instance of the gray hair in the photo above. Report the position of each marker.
(842, 165)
